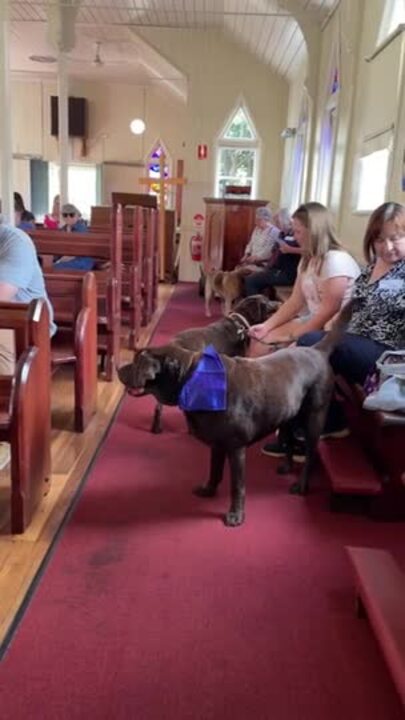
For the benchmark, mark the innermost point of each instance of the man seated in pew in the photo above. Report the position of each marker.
(281, 268)
(378, 317)
(21, 280)
(72, 221)
(260, 246)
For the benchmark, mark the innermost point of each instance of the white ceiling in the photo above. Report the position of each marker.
(264, 27)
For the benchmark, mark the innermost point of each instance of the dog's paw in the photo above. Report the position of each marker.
(297, 489)
(204, 491)
(233, 519)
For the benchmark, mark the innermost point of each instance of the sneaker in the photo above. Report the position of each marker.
(5, 455)
(279, 449)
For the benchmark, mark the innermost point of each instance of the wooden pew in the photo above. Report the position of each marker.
(74, 301)
(25, 408)
(380, 595)
(105, 246)
(140, 264)
(370, 462)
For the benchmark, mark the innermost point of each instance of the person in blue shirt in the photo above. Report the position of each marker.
(21, 280)
(73, 222)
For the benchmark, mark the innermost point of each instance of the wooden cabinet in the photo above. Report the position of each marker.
(229, 223)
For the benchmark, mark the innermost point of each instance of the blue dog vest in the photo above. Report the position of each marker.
(207, 388)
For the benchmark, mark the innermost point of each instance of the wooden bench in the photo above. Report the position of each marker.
(74, 301)
(25, 408)
(140, 263)
(105, 246)
(380, 595)
(371, 461)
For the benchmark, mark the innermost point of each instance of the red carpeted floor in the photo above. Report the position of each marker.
(150, 609)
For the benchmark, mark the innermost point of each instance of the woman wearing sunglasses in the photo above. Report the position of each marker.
(72, 221)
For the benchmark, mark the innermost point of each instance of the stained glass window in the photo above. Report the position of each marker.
(153, 168)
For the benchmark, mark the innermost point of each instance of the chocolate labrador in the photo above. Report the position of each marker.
(229, 335)
(290, 386)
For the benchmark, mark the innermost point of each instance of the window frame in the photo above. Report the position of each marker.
(251, 144)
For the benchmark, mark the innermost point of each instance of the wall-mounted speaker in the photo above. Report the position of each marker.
(77, 111)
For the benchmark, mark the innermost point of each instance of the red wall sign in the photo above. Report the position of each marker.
(202, 152)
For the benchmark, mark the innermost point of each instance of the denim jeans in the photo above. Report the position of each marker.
(259, 281)
(353, 359)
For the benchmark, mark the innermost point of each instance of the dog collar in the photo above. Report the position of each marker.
(244, 326)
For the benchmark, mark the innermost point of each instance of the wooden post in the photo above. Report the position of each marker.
(6, 152)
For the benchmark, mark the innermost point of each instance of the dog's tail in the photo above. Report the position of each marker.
(333, 337)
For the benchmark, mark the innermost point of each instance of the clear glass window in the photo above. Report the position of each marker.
(373, 172)
(82, 181)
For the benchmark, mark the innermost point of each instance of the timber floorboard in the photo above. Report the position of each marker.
(21, 556)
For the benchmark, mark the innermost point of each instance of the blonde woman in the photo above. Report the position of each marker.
(325, 279)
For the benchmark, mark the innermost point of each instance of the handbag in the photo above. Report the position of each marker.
(389, 394)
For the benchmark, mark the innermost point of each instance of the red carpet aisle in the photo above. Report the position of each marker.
(151, 609)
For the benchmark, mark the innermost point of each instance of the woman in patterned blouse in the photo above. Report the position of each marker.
(378, 319)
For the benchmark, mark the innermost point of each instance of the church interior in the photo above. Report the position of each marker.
(147, 140)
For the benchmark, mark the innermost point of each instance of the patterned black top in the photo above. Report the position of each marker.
(379, 310)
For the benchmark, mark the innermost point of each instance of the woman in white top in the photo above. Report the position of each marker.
(324, 282)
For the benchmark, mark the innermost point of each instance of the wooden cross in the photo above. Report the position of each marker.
(162, 183)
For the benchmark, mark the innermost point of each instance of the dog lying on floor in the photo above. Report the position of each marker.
(290, 386)
(227, 284)
(229, 335)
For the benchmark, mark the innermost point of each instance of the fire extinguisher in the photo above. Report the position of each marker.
(196, 247)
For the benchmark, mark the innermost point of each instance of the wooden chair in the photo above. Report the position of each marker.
(74, 301)
(25, 408)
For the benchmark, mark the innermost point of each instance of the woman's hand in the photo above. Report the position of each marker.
(258, 332)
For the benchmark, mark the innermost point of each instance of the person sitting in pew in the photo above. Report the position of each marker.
(378, 318)
(73, 222)
(281, 268)
(21, 280)
(260, 246)
(23, 218)
(324, 282)
(52, 219)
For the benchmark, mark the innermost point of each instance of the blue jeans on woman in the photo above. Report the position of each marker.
(354, 358)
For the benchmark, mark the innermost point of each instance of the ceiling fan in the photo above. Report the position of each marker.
(98, 60)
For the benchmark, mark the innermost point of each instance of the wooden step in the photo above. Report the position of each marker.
(380, 587)
(348, 469)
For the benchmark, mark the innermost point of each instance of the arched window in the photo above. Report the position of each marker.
(394, 15)
(153, 168)
(237, 153)
(299, 155)
(328, 137)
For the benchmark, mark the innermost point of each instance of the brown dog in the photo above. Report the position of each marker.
(277, 391)
(228, 285)
(229, 335)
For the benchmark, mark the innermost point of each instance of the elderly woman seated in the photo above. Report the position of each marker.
(73, 222)
(261, 244)
(281, 268)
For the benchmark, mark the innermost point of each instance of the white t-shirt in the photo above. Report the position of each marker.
(337, 263)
